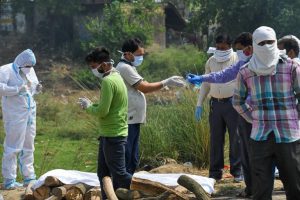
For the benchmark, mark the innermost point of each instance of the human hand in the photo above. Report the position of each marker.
(194, 79)
(39, 88)
(177, 81)
(84, 102)
(23, 89)
(198, 113)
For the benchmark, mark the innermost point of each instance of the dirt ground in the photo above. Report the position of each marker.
(224, 190)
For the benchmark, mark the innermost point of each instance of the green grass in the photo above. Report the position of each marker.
(67, 136)
(171, 131)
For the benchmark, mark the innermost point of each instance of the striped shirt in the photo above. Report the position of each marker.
(273, 101)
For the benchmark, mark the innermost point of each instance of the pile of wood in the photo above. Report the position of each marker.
(140, 189)
(53, 189)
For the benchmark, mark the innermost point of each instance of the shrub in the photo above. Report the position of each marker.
(85, 79)
(171, 131)
(181, 60)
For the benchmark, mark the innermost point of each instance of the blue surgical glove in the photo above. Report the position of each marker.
(198, 113)
(194, 79)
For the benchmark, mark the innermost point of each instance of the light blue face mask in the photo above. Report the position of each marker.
(137, 60)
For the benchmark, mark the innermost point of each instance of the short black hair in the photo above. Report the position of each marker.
(98, 55)
(223, 38)
(131, 45)
(244, 39)
(289, 44)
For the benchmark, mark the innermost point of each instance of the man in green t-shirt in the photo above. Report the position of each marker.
(111, 112)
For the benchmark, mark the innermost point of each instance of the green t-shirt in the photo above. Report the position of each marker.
(112, 107)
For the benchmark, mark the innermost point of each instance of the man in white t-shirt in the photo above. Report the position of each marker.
(132, 57)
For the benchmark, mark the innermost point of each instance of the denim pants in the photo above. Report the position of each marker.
(111, 162)
(132, 148)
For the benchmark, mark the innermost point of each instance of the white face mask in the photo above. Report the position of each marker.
(223, 56)
(25, 70)
(97, 73)
(267, 54)
(242, 56)
(264, 59)
(101, 74)
(137, 60)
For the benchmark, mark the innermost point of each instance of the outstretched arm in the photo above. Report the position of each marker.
(224, 76)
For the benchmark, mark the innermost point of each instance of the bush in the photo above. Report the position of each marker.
(171, 131)
(85, 79)
(173, 61)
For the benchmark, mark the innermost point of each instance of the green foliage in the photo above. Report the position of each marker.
(236, 16)
(85, 78)
(120, 22)
(67, 136)
(181, 60)
(171, 131)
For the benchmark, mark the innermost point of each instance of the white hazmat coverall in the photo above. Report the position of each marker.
(19, 115)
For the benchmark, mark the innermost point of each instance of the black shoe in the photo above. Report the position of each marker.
(244, 194)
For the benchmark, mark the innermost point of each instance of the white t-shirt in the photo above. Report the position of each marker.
(136, 99)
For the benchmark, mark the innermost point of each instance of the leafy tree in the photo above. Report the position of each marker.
(236, 16)
(121, 21)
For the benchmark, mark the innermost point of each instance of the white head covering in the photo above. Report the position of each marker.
(25, 58)
(265, 58)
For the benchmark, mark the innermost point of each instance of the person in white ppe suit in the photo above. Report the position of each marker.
(18, 85)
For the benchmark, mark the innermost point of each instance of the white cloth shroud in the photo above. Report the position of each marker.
(73, 177)
(69, 177)
(171, 180)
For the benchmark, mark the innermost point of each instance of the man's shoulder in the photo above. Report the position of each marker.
(122, 65)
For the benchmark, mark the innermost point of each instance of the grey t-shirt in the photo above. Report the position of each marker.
(136, 99)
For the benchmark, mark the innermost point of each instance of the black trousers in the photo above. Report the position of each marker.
(132, 148)
(244, 131)
(223, 116)
(286, 156)
(111, 162)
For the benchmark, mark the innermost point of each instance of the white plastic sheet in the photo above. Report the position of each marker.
(171, 180)
(73, 177)
(69, 177)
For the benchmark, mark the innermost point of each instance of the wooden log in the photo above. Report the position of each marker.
(41, 193)
(154, 188)
(52, 181)
(53, 197)
(76, 192)
(93, 194)
(194, 187)
(108, 188)
(126, 194)
(29, 191)
(61, 191)
(164, 196)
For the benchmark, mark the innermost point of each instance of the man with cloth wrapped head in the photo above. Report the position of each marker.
(273, 82)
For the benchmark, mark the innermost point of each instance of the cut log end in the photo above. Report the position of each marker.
(193, 186)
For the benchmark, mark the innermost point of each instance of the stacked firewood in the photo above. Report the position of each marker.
(54, 189)
(140, 189)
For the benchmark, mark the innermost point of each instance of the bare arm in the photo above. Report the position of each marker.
(147, 87)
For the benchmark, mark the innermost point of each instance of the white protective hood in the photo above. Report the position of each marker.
(265, 58)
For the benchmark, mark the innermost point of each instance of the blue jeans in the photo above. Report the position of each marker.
(111, 162)
(132, 148)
